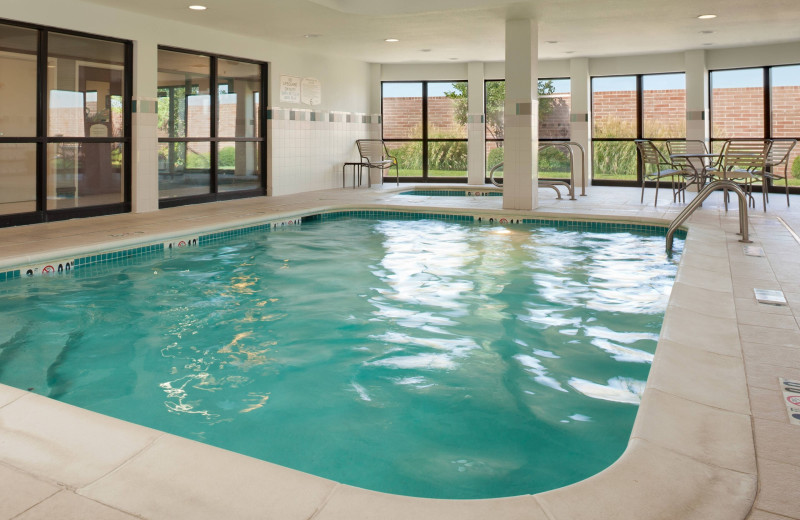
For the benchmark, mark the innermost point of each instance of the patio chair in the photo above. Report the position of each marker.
(374, 154)
(779, 155)
(660, 168)
(700, 165)
(744, 162)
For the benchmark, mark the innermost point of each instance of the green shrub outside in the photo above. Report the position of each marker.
(796, 168)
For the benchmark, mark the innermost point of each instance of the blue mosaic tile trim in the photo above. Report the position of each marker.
(205, 239)
(392, 215)
(453, 193)
(9, 275)
(118, 255)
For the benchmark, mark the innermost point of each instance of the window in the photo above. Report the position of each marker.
(758, 103)
(625, 108)
(425, 127)
(554, 125)
(70, 158)
(210, 147)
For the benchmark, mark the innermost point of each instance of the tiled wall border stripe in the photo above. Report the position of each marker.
(573, 225)
(320, 116)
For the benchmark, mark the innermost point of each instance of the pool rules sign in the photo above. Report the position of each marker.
(791, 398)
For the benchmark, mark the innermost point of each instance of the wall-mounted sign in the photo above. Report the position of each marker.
(311, 91)
(290, 89)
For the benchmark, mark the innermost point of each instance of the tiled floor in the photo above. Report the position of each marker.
(696, 431)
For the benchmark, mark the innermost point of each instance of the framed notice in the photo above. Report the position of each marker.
(290, 89)
(311, 91)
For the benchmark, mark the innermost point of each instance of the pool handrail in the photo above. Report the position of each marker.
(722, 184)
(567, 145)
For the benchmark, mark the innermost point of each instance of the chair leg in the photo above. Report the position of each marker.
(642, 200)
(655, 202)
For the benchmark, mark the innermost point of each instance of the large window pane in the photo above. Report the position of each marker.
(402, 110)
(495, 97)
(237, 166)
(17, 177)
(737, 103)
(447, 110)
(554, 107)
(18, 72)
(554, 162)
(614, 107)
(85, 84)
(409, 158)
(614, 160)
(84, 174)
(238, 84)
(494, 156)
(664, 106)
(786, 114)
(184, 101)
(175, 179)
(447, 158)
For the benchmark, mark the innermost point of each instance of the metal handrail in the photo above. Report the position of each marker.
(702, 195)
(552, 184)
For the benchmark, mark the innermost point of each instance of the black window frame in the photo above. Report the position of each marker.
(42, 140)
(214, 194)
(639, 129)
(767, 87)
(424, 140)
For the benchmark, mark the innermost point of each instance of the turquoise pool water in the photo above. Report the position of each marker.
(426, 358)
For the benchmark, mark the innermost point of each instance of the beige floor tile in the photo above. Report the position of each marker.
(772, 354)
(66, 505)
(66, 443)
(709, 333)
(757, 514)
(770, 336)
(749, 304)
(696, 299)
(779, 491)
(348, 503)
(702, 492)
(777, 441)
(767, 404)
(704, 433)
(766, 319)
(20, 491)
(764, 375)
(705, 279)
(9, 394)
(179, 478)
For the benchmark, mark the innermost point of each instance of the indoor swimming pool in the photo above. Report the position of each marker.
(433, 358)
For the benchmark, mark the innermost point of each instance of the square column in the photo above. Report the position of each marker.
(521, 150)
(476, 129)
(696, 95)
(144, 123)
(580, 114)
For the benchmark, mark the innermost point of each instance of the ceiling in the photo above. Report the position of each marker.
(473, 30)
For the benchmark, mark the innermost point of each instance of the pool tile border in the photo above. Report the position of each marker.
(331, 215)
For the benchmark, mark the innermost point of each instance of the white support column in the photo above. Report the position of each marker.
(580, 108)
(144, 122)
(696, 95)
(476, 129)
(520, 171)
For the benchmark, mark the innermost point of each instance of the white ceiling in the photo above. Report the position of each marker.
(473, 30)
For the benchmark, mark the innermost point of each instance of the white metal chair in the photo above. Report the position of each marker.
(374, 154)
(779, 155)
(744, 162)
(660, 168)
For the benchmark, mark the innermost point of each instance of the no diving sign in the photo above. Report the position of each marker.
(791, 398)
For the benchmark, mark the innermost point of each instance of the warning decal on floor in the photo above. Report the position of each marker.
(791, 398)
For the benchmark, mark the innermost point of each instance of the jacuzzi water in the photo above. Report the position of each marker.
(424, 358)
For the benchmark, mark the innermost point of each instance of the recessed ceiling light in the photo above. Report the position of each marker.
(198, 7)
(569, 52)
(552, 41)
(424, 50)
(706, 32)
(707, 16)
(452, 59)
(311, 36)
(708, 44)
(391, 40)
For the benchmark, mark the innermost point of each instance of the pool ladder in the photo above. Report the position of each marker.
(722, 184)
(568, 146)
